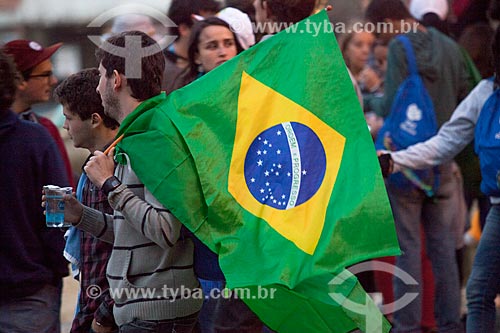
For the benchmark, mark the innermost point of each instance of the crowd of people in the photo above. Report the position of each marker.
(123, 237)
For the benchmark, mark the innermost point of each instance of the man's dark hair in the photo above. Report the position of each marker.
(290, 11)
(181, 11)
(379, 10)
(209, 6)
(78, 93)
(8, 81)
(152, 66)
(433, 20)
(246, 6)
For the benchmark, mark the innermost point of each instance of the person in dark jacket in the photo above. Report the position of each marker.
(151, 293)
(31, 259)
(463, 127)
(445, 76)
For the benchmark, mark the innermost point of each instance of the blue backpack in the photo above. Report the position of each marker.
(411, 120)
(487, 144)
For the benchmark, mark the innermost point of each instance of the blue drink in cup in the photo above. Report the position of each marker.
(54, 205)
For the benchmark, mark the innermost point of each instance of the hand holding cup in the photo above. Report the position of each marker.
(62, 208)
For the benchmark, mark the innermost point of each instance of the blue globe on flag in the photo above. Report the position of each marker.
(285, 165)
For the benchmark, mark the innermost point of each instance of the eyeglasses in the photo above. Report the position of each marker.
(46, 74)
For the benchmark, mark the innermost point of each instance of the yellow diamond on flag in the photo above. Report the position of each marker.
(284, 163)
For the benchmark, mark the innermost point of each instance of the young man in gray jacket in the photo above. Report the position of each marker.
(150, 271)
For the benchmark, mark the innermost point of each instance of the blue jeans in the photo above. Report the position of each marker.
(484, 280)
(177, 325)
(411, 209)
(35, 313)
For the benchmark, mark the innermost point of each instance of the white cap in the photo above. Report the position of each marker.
(240, 24)
(418, 8)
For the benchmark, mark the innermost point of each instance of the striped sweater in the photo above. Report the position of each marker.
(151, 264)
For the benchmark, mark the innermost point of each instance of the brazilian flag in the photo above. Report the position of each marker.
(267, 159)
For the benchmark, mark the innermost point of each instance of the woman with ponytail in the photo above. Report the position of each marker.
(478, 118)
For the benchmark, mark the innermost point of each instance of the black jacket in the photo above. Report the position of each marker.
(30, 253)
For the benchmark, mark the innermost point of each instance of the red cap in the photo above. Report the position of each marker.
(27, 54)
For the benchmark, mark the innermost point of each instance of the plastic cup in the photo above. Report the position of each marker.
(54, 205)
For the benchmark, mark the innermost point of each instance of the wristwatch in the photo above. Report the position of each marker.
(110, 184)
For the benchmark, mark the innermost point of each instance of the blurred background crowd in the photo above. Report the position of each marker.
(53, 21)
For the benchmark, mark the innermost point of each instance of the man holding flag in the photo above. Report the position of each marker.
(289, 176)
(282, 182)
(151, 263)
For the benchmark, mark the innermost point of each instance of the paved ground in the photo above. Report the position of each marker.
(70, 292)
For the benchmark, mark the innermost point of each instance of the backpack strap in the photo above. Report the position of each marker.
(410, 174)
(430, 191)
(410, 55)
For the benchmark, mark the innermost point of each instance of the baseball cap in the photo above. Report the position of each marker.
(27, 53)
(418, 8)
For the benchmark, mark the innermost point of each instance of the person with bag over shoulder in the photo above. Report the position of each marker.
(477, 117)
(444, 75)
